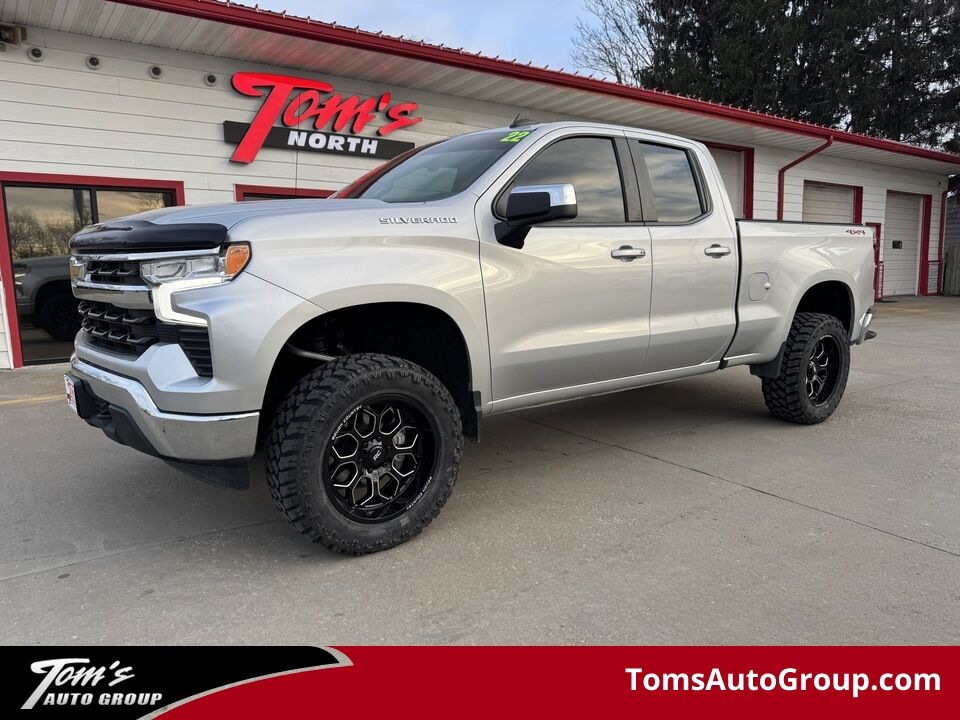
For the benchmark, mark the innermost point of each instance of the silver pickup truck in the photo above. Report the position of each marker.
(359, 339)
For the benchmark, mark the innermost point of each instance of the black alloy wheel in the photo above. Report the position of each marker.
(823, 370)
(380, 459)
(364, 452)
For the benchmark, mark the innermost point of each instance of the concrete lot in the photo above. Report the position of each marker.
(676, 514)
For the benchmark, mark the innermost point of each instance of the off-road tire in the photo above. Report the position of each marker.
(786, 395)
(305, 423)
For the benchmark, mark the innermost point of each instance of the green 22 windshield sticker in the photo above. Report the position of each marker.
(515, 136)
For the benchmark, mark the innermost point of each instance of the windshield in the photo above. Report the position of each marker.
(437, 171)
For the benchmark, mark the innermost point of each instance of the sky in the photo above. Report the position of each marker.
(527, 30)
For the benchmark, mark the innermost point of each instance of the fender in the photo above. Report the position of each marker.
(474, 337)
(833, 275)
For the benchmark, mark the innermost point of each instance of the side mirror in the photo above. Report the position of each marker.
(530, 205)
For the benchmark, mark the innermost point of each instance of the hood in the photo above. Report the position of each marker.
(229, 214)
(198, 227)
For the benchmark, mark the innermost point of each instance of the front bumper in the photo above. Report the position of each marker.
(124, 410)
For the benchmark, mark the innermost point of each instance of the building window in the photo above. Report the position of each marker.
(265, 192)
(40, 220)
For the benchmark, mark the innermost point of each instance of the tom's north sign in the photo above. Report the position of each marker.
(313, 117)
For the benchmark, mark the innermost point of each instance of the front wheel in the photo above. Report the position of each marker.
(364, 452)
(813, 372)
(59, 317)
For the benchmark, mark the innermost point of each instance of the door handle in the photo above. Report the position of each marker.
(626, 253)
(716, 251)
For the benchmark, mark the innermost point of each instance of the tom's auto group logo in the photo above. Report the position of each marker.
(76, 681)
(127, 683)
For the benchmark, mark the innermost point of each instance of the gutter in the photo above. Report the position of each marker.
(782, 174)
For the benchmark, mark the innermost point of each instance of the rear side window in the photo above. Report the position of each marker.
(672, 183)
(587, 163)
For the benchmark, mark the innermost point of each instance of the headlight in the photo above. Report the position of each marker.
(216, 268)
(20, 270)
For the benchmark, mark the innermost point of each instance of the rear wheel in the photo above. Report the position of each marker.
(363, 453)
(813, 372)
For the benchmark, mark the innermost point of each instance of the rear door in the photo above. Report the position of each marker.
(694, 252)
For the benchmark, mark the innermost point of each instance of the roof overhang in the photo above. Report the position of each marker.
(224, 29)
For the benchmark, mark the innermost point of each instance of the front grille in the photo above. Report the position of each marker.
(130, 332)
(122, 330)
(113, 272)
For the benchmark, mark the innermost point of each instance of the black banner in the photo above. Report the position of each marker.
(324, 142)
(117, 683)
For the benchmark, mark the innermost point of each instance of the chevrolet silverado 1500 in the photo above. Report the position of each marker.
(361, 338)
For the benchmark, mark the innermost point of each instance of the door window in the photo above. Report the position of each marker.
(671, 182)
(587, 163)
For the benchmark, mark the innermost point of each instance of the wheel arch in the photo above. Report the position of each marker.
(832, 295)
(50, 289)
(420, 332)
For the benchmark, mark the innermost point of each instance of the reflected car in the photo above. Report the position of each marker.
(44, 297)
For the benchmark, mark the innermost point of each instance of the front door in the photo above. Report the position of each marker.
(562, 311)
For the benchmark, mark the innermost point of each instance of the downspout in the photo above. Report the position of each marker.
(942, 236)
(782, 175)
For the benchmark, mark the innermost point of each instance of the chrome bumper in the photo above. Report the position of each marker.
(199, 438)
(865, 332)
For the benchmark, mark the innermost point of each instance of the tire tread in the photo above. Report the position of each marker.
(784, 394)
(291, 428)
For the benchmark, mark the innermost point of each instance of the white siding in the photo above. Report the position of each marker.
(730, 165)
(902, 223)
(827, 203)
(875, 180)
(952, 221)
(951, 269)
(117, 121)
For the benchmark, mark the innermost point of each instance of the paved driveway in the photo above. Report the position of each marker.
(680, 513)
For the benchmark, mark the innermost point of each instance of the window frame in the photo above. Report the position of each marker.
(629, 190)
(647, 199)
(240, 192)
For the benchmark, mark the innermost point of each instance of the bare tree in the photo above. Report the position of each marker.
(616, 42)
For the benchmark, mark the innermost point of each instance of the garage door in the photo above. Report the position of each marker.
(730, 165)
(901, 243)
(827, 203)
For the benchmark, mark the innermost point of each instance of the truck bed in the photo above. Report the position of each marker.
(779, 261)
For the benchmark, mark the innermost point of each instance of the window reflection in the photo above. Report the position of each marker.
(40, 223)
(671, 177)
(590, 165)
(120, 203)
